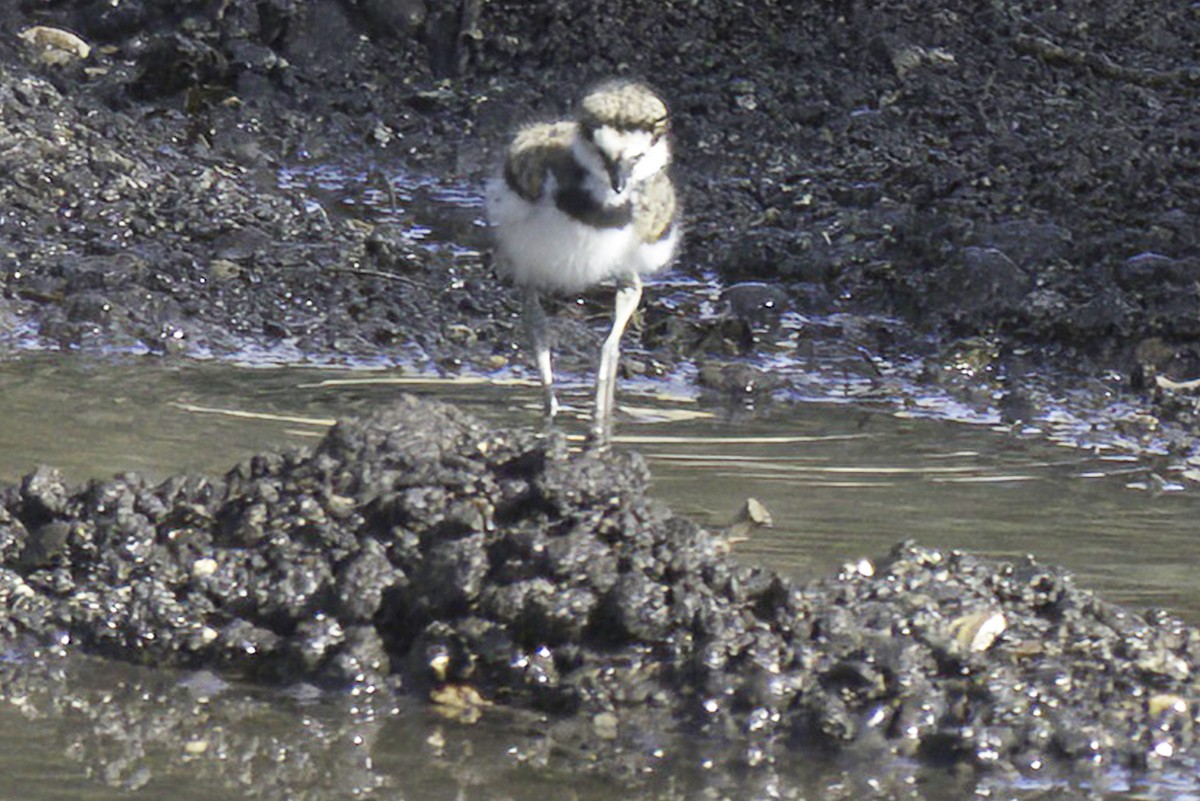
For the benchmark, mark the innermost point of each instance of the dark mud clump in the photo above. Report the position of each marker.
(419, 552)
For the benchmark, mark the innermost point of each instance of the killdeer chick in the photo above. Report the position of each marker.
(581, 202)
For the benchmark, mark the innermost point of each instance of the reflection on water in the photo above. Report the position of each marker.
(948, 486)
(840, 483)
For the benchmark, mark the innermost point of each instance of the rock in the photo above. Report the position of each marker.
(985, 279)
(43, 494)
(1150, 271)
(755, 302)
(1026, 242)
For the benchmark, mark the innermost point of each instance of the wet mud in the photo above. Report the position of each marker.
(1001, 196)
(422, 553)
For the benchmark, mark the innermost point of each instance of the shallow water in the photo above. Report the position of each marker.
(841, 483)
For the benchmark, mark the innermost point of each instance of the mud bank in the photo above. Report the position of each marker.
(419, 553)
(1004, 196)
(1001, 198)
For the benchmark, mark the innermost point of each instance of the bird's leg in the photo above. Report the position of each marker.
(629, 294)
(535, 323)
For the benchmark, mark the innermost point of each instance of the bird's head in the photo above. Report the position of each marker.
(623, 134)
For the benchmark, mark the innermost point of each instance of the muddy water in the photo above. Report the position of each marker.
(840, 482)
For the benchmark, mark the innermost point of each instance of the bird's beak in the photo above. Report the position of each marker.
(618, 176)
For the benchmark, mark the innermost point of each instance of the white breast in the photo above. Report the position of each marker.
(653, 256)
(542, 247)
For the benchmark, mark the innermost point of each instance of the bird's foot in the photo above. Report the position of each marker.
(599, 438)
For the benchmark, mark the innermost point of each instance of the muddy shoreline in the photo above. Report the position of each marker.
(996, 203)
(993, 204)
(418, 553)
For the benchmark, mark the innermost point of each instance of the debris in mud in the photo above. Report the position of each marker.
(55, 47)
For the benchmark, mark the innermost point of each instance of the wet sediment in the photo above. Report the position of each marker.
(999, 195)
(1008, 189)
(419, 552)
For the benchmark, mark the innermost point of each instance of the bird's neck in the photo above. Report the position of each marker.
(591, 178)
(582, 197)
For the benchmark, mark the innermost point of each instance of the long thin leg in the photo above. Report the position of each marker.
(535, 323)
(629, 295)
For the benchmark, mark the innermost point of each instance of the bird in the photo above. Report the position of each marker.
(580, 202)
